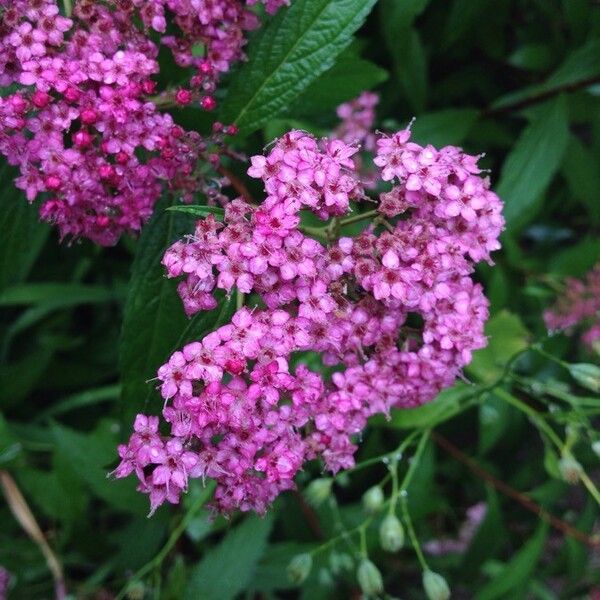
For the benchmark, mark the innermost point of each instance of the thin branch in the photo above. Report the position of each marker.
(540, 97)
(236, 183)
(509, 491)
(310, 515)
(22, 513)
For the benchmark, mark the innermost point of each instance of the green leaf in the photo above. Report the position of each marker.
(199, 211)
(81, 400)
(532, 57)
(406, 49)
(344, 81)
(462, 19)
(58, 294)
(448, 403)
(506, 337)
(450, 126)
(580, 169)
(90, 456)
(23, 235)
(154, 324)
(533, 162)
(229, 568)
(582, 65)
(577, 260)
(514, 576)
(398, 15)
(285, 57)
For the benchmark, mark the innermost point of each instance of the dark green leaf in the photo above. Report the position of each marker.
(227, 569)
(297, 46)
(154, 319)
(91, 456)
(450, 126)
(516, 573)
(344, 81)
(580, 169)
(583, 65)
(533, 162)
(61, 294)
(23, 235)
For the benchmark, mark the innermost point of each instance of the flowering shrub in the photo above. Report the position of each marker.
(255, 275)
(82, 127)
(237, 413)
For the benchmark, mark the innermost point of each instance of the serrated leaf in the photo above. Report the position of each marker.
(285, 57)
(23, 235)
(506, 337)
(344, 81)
(199, 211)
(228, 569)
(154, 323)
(514, 576)
(462, 18)
(533, 162)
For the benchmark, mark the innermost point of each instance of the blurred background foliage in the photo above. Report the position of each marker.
(83, 328)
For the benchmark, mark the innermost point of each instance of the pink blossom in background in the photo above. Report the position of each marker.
(579, 305)
(239, 411)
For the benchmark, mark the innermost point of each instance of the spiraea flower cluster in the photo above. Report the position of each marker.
(579, 305)
(77, 120)
(391, 312)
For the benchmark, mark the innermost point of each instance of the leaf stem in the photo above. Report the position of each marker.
(360, 217)
(68, 7)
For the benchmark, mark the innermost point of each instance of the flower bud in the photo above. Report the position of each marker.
(369, 578)
(570, 469)
(435, 586)
(299, 568)
(319, 490)
(596, 448)
(586, 375)
(373, 500)
(208, 103)
(183, 97)
(391, 534)
(340, 561)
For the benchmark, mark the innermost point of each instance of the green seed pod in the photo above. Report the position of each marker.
(391, 534)
(369, 578)
(319, 490)
(570, 469)
(340, 561)
(435, 586)
(299, 568)
(586, 375)
(373, 500)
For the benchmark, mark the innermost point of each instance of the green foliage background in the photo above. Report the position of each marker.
(83, 328)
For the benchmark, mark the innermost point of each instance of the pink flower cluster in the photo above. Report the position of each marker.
(79, 123)
(391, 313)
(579, 304)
